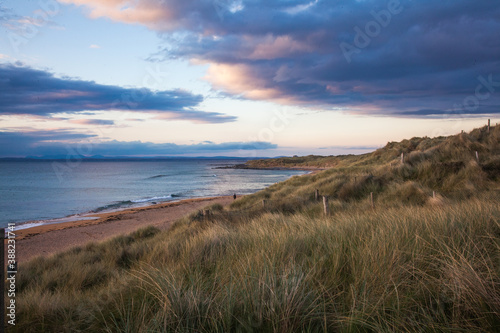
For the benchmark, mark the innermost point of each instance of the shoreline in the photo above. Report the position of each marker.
(53, 238)
(23, 227)
(98, 218)
(91, 216)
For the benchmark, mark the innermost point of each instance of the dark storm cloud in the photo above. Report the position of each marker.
(32, 137)
(403, 56)
(24, 90)
(67, 142)
(385, 57)
(20, 144)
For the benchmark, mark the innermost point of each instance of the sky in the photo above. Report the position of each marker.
(243, 78)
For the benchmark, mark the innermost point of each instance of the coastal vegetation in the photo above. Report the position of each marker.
(424, 255)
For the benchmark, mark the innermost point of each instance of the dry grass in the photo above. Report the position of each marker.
(415, 263)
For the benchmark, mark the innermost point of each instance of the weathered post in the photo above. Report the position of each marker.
(434, 194)
(371, 200)
(326, 207)
(264, 202)
(488, 125)
(477, 156)
(316, 195)
(206, 214)
(402, 158)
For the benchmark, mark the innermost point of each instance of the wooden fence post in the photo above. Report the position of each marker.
(402, 158)
(206, 214)
(488, 125)
(434, 194)
(326, 207)
(371, 200)
(477, 156)
(316, 195)
(264, 202)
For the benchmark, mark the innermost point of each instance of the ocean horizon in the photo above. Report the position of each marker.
(36, 192)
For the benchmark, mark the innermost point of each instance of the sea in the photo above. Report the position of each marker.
(35, 192)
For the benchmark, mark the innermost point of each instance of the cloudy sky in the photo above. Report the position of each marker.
(242, 78)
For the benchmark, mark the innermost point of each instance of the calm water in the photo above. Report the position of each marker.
(42, 190)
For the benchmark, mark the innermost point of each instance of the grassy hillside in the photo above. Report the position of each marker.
(413, 263)
(477, 140)
(446, 165)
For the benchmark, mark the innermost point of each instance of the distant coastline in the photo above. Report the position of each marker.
(250, 167)
(120, 158)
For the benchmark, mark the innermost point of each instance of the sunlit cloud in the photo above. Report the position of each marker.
(239, 80)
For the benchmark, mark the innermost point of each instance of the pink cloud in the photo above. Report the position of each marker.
(95, 122)
(151, 13)
(271, 47)
(238, 79)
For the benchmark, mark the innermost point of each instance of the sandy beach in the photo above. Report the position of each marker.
(52, 238)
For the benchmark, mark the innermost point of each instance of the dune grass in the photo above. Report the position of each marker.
(398, 269)
(414, 263)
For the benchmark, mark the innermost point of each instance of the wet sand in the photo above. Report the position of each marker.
(52, 238)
